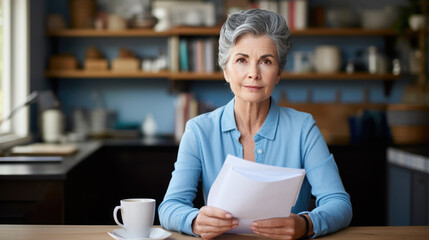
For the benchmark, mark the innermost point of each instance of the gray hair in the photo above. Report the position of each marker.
(256, 22)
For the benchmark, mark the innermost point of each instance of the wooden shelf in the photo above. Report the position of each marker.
(104, 74)
(184, 76)
(195, 31)
(193, 76)
(211, 31)
(107, 33)
(149, 32)
(343, 32)
(339, 76)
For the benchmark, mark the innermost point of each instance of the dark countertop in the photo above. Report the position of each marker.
(415, 157)
(47, 170)
(59, 170)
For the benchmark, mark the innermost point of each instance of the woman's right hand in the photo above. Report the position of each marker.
(211, 222)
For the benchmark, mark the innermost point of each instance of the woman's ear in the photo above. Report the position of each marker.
(279, 75)
(225, 75)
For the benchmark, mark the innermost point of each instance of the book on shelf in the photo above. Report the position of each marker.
(295, 12)
(173, 47)
(187, 107)
(270, 5)
(198, 55)
(209, 56)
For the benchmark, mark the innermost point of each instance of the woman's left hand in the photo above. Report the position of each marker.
(292, 227)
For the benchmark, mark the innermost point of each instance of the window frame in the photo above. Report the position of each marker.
(16, 70)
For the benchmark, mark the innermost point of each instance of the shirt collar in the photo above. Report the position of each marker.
(228, 117)
(268, 129)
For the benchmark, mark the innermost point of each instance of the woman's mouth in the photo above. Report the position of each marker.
(250, 87)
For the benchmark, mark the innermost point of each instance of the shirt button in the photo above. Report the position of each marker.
(259, 151)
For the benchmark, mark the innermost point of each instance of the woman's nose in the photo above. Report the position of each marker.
(254, 71)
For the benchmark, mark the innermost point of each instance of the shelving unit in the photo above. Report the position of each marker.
(217, 76)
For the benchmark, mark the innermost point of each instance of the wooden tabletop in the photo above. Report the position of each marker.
(73, 232)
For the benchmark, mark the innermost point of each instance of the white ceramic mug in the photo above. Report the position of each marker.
(138, 215)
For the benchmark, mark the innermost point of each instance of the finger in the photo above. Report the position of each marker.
(214, 229)
(208, 232)
(215, 212)
(217, 222)
(272, 223)
(204, 219)
(275, 231)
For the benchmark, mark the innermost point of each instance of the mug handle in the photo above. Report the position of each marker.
(115, 213)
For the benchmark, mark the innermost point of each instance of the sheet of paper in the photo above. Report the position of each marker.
(253, 191)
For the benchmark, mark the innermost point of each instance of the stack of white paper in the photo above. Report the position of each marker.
(253, 191)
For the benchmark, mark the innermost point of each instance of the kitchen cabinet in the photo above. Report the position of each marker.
(408, 197)
(32, 201)
(408, 186)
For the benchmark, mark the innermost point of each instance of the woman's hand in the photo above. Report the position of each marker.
(211, 222)
(292, 227)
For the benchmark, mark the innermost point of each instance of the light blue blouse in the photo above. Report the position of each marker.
(288, 138)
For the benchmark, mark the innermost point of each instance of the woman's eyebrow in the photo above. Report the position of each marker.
(242, 54)
(266, 56)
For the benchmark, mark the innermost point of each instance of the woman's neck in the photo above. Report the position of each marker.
(250, 117)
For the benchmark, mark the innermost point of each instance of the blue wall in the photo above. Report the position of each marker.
(132, 99)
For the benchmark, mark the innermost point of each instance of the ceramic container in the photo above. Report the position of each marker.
(417, 22)
(53, 122)
(327, 59)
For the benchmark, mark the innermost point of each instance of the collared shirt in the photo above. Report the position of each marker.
(288, 138)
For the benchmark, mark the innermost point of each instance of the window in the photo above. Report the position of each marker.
(14, 69)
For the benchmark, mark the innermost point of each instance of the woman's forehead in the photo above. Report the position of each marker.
(251, 43)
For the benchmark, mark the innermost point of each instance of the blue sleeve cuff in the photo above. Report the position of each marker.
(187, 228)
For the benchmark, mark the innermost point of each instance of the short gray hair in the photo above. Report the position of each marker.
(256, 22)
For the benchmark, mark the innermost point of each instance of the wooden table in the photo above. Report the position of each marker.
(73, 232)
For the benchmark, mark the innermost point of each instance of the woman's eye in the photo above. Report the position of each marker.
(266, 61)
(241, 60)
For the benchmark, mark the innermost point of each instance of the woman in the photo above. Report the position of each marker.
(252, 53)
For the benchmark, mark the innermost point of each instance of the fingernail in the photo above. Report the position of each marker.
(234, 222)
(228, 215)
(254, 224)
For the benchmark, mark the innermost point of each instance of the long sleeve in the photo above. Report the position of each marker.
(177, 212)
(333, 207)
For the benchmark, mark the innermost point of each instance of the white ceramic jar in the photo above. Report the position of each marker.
(53, 123)
(327, 59)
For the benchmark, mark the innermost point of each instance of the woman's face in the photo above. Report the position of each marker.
(252, 69)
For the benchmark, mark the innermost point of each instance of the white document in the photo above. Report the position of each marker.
(252, 191)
